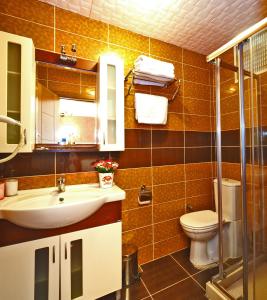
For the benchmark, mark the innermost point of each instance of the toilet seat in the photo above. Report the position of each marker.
(200, 220)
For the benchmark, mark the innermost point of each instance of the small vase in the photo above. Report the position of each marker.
(105, 180)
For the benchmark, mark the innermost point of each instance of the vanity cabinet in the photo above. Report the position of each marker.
(81, 265)
(111, 103)
(17, 90)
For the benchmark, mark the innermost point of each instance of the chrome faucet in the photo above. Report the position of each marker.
(61, 184)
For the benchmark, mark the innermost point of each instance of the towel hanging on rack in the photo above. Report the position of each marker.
(151, 109)
(151, 66)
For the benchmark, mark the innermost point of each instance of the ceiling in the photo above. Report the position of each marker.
(198, 25)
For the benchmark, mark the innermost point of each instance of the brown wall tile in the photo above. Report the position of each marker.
(137, 138)
(194, 59)
(133, 158)
(197, 139)
(197, 123)
(167, 138)
(28, 164)
(168, 210)
(86, 47)
(198, 170)
(198, 187)
(139, 237)
(165, 230)
(167, 156)
(168, 174)
(75, 23)
(136, 218)
(196, 74)
(168, 192)
(197, 155)
(171, 245)
(128, 39)
(165, 50)
(201, 202)
(42, 36)
(196, 90)
(145, 254)
(196, 107)
(133, 178)
(36, 182)
(28, 10)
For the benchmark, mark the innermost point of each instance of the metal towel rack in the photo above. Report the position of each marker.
(167, 84)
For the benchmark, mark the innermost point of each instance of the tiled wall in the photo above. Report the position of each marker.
(173, 160)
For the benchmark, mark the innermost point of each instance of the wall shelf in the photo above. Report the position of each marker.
(131, 74)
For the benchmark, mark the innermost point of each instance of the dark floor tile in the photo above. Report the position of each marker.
(135, 291)
(161, 273)
(205, 276)
(184, 290)
(182, 257)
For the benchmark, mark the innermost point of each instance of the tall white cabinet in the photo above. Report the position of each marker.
(82, 265)
(111, 103)
(17, 90)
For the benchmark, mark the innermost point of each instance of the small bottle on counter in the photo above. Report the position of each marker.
(2, 189)
(11, 187)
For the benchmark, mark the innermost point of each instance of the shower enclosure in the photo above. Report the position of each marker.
(240, 102)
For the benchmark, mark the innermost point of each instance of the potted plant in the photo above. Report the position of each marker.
(105, 169)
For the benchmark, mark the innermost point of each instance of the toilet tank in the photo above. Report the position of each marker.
(231, 199)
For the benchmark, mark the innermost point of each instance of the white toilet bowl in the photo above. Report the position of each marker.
(201, 227)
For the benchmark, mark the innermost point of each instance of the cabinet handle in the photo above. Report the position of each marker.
(54, 255)
(66, 251)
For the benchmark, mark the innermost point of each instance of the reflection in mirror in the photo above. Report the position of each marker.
(66, 106)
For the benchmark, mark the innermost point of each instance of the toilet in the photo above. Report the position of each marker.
(202, 227)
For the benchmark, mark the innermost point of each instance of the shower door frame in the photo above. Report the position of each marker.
(214, 57)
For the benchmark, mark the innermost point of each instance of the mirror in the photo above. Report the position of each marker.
(66, 106)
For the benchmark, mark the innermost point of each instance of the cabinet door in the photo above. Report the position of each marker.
(30, 270)
(17, 90)
(111, 103)
(91, 262)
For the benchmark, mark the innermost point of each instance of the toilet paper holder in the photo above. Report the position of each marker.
(145, 195)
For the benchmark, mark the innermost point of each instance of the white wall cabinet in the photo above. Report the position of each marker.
(66, 267)
(111, 103)
(17, 90)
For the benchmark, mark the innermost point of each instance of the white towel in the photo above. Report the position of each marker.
(153, 66)
(151, 109)
(147, 82)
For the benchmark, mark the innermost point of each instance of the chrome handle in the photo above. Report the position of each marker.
(54, 255)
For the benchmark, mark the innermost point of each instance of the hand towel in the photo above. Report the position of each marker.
(153, 66)
(147, 82)
(151, 109)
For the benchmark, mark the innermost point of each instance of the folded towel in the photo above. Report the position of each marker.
(153, 66)
(151, 109)
(149, 77)
(147, 82)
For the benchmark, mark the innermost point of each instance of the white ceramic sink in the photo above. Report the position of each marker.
(46, 208)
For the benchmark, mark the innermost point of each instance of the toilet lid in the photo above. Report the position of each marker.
(200, 219)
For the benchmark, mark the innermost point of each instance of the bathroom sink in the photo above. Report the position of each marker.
(46, 208)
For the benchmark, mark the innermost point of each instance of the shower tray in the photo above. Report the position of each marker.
(231, 287)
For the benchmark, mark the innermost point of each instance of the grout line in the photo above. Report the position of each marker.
(167, 287)
(146, 288)
(190, 275)
(29, 21)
